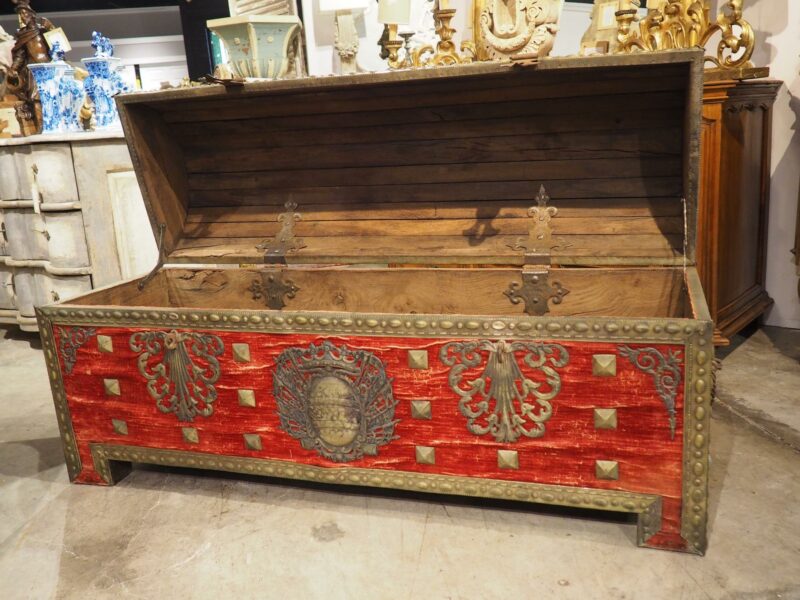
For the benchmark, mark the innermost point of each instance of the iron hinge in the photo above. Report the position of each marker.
(274, 288)
(275, 250)
(536, 290)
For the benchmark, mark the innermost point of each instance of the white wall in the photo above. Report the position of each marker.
(777, 28)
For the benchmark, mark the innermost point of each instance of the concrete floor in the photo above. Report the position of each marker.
(167, 534)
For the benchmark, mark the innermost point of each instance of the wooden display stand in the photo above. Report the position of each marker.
(734, 201)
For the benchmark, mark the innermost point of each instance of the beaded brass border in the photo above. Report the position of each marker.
(646, 506)
(695, 334)
(59, 395)
(659, 330)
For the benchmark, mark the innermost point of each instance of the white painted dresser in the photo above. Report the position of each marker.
(72, 219)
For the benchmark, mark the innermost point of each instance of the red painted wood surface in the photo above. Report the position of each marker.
(649, 460)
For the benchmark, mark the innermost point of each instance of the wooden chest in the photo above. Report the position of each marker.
(473, 280)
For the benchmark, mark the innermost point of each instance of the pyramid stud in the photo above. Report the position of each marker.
(426, 455)
(507, 459)
(418, 359)
(606, 469)
(111, 386)
(247, 398)
(120, 427)
(604, 365)
(241, 353)
(105, 344)
(190, 435)
(605, 418)
(420, 409)
(252, 441)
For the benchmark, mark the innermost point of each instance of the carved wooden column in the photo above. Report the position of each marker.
(734, 201)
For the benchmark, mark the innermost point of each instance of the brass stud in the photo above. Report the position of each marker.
(120, 426)
(605, 418)
(420, 409)
(111, 386)
(418, 359)
(604, 365)
(507, 459)
(105, 344)
(252, 441)
(241, 353)
(247, 398)
(426, 455)
(606, 469)
(190, 435)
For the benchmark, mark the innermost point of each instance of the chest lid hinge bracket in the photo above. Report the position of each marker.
(284, 242)
(536, 291)
(147, 278)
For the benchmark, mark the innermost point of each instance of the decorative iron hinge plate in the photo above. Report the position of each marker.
(273, 288)
(275, 251)
(536, 292)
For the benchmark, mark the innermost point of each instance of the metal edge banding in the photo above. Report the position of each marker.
(68, 443)
(664, 331)
(647, 506)
(696, 439)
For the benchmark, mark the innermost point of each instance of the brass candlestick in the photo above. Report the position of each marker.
(686, 24)
(445, 53)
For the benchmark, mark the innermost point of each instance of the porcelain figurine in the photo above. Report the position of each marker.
(103, 82)
(59, 94)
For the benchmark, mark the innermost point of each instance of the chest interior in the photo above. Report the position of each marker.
(412, 192)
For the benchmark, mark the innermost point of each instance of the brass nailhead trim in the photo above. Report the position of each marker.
(111, 387)
(426, 455)
(606, 469)
(605, 418)
(418, 359)
(420, 409)
(604, 365)
(105, 344)
(252, 441)
(190, 435)
(247, 398)
(507, 459)
(120, 426)
(241, 353)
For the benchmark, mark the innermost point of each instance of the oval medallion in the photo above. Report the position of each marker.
(334, 411)
(335, 400)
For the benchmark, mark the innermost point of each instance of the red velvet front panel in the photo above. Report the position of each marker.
(649, 460)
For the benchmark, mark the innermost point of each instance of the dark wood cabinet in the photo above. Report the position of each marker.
(734, 201)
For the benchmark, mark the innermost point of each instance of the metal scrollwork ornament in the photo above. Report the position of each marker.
(181, 369)
(335, 400)
(666, 372)
(505, 399)
(70, 340)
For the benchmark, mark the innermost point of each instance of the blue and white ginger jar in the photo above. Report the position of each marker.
(60, 95)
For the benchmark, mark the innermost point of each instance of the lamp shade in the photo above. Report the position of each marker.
(331, 6)
(394, 11)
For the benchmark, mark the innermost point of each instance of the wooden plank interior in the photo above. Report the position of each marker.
(160, 168)
(435, 171)
(640, 292)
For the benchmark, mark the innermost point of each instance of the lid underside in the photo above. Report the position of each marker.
(422, 167)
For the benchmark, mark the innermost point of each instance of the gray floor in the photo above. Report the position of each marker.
(168, 534)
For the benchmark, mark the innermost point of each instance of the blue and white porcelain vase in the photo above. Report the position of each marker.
(103, 82)
(60, 95)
